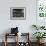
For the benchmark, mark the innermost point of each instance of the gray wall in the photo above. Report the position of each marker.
(24, 25)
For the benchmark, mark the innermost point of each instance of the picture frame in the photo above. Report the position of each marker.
(17, 13)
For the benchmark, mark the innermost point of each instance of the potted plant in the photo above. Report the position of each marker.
(39, 35)
(35, 26)
(38, 27)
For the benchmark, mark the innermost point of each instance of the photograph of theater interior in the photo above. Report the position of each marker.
(22, 22)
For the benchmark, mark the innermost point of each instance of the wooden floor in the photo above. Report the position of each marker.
(13, 44)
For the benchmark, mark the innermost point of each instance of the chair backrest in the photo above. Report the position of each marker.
(24, 37)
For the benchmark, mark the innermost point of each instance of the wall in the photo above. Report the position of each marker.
(24, 25)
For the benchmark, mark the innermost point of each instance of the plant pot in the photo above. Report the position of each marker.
(40, 40)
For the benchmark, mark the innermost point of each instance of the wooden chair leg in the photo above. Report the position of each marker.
(5, 39)
(5, 43)
(17, 40)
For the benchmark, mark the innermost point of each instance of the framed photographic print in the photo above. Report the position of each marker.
(17, 13)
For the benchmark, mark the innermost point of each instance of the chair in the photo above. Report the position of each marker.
(26, 41)
(7, 35)
(14, 32)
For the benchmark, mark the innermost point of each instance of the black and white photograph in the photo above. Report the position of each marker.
(17, 13)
